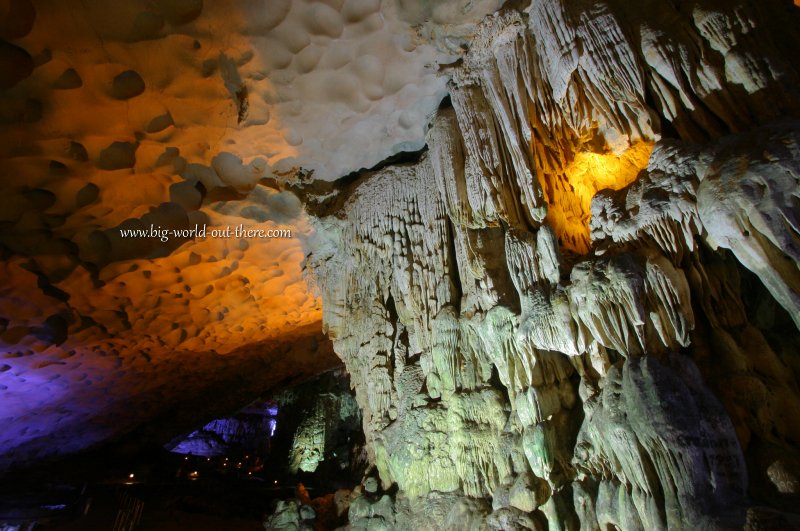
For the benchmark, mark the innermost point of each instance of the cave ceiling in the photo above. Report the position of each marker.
(180, 115)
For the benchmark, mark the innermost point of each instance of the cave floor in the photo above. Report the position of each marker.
(166, 492)
(103, 513)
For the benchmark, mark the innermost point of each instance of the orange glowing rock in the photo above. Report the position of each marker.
(570, 193)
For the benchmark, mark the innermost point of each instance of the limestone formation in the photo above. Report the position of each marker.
(530, 311)
(315, 436)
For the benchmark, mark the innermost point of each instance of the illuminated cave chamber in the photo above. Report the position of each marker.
(567, 298)
(250, 430)
(308, 432)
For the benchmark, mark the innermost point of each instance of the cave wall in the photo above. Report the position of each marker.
(579, 307)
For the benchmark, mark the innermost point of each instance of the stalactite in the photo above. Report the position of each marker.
(543, 341)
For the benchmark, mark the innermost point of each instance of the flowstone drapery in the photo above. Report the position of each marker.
(549, 354)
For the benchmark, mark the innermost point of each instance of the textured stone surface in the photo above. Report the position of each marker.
(176, 115)
(515, 334)
(331, 417)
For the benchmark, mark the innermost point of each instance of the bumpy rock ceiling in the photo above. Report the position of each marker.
(176, 115)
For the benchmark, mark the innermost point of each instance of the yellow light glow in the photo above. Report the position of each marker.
(569, 193)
